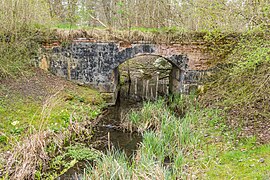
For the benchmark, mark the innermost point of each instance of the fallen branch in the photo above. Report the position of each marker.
(96, 19)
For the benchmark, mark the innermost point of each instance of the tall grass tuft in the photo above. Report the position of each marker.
(167, 139)
(114, 165)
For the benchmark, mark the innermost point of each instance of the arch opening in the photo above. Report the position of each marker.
(146, 76)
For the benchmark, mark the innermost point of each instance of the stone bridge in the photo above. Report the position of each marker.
(96, 63)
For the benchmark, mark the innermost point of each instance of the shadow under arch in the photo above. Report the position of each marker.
(176, 75)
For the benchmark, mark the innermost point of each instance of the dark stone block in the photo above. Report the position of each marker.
(146, 49)
(56, 50)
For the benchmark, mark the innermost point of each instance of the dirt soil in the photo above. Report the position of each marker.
(39, 85)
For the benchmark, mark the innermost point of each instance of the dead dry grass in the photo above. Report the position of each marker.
(131, 36)
(32, 154)
(40, 97)
(28, 155)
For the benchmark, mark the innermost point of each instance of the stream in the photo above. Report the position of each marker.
(137, 88)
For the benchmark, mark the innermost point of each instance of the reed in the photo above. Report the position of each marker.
(166, 140)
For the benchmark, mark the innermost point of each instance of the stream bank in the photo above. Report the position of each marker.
(142, 79)
(35, 113)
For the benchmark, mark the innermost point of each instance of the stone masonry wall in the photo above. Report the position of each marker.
(95, 64)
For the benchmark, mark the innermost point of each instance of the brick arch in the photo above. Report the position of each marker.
(179, 60)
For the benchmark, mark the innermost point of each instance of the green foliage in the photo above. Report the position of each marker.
(19, 120)
(79, 153)
(66, 158)
(249, 54)
(220, 44)
(3, 139)
(71, 155)
(241, 88)
(165, 137)
(57, 166)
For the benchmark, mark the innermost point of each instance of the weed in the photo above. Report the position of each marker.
(37, 123)
(165, 139)
(197, 145)
(80, 152)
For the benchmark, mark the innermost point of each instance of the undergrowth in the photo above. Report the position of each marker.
(19, 49)
(40, 115)
(198, 145)
(242, 87)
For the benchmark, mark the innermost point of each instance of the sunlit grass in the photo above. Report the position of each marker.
(248, 161)
(21, 116)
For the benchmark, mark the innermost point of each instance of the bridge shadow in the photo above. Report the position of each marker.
(147, 76)
(144, 77)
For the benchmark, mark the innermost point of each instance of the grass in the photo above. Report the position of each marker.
(42, 108)
(198, 144)
(116, 166)
(242, 88)
(250, 162)
(223, 155)
(20, 115)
